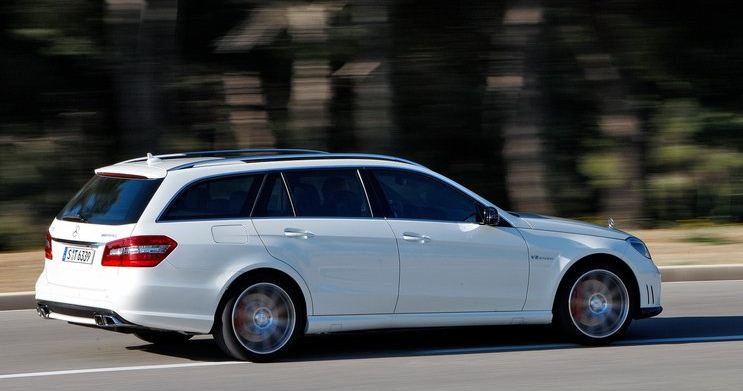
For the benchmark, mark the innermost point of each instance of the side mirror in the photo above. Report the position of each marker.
(488, 215)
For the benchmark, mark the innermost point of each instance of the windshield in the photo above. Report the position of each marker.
(110, 201)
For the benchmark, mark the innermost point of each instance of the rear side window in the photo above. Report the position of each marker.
(219, 198)
(327, 193)
(416, 196)
(273, 200)
(110, 201)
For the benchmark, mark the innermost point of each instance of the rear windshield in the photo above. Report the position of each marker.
(110, 201)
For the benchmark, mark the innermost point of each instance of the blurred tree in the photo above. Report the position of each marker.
(53, 113)
(141, 37)
(683, 64)
(614, 164)
(691, 179)
(439, 68)
(361, 102)
(626, 108)
(514, 81)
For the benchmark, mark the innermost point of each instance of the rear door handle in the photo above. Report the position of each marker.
(414, 237)
(297, 233)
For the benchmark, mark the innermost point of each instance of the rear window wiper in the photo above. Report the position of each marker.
(75, 217)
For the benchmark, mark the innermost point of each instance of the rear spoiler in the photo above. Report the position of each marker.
(133, 171)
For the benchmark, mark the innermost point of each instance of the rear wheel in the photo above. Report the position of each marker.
(594, 306)
(260, 322)
(162, 337)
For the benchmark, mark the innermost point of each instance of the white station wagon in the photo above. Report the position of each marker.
(260, 247)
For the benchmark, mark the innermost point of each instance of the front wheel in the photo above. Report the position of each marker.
(259, 323)
(594, 306)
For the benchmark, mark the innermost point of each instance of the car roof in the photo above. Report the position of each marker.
(189, 166)
(158, 166)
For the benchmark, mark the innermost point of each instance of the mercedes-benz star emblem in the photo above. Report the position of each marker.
(76, 231)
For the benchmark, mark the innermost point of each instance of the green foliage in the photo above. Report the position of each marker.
(602, 169)
(707, 239)
(691, 179)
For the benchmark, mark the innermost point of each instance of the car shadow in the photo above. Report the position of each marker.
(201, 349)
(465, 340)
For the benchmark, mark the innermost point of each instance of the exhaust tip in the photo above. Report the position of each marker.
(106, 321)
(42, 311)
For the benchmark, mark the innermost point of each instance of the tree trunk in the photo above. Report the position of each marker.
(247, 111)
(310, 86)
(366, 76)
(142, 36)
(513, 90)
(618, 118)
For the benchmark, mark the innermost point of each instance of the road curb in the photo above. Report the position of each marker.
(26, 300)
(17, 301)
(701, 272)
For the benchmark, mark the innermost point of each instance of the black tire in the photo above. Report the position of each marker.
(257, 313)
(595, 304)
(162, 337)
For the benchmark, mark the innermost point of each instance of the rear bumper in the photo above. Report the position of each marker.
(648, 312)
(87, 316)
(137, 297)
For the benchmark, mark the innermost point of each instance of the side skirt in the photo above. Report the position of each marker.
(335, 323)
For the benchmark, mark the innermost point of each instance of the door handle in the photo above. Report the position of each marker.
(297, 233)
(414, 237)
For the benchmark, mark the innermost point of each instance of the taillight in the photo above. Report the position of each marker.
(48, 246)
(138, 251)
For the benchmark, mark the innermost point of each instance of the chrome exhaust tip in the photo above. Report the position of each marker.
(107, 321)
(42, 311)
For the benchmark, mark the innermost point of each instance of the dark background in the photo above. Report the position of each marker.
(583, 109)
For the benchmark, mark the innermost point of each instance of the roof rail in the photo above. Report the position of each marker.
(299, 156)
(227, 152)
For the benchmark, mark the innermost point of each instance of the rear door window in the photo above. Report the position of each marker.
(110, 200)
(327, 193)
(218, 198)
(273, 200)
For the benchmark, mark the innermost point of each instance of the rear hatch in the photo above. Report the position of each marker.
(105, 209)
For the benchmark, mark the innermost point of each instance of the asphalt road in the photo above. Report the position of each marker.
(697, 343)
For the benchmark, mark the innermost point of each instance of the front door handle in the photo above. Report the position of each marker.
(297, 233)
(414, 237)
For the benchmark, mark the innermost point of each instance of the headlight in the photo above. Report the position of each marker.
(639, 246)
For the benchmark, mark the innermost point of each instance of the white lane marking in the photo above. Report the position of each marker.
(627, 342)
(119, 369)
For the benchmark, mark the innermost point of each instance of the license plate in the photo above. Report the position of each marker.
(78, 255)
